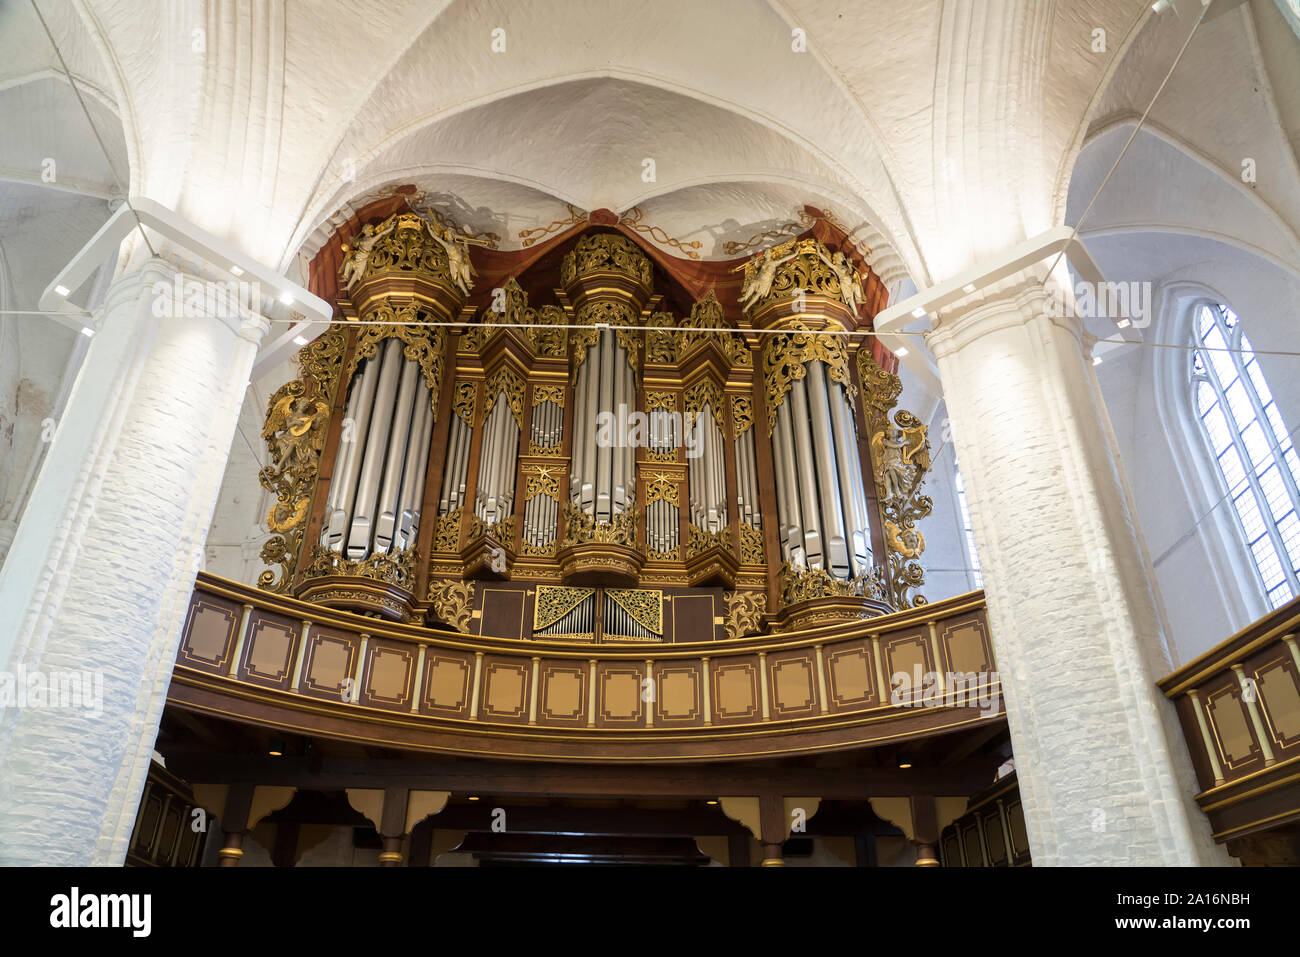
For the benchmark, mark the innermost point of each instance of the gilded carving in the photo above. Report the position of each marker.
(548, 393)
(705, 392)
(744, 611)
(604, 312)
(446, 534)
(900, 457)
(661, 487)
(463, 401)
(786, 357)
(581, 528)
(297, 422)
(453, 602)
(742, 414)
(802, 265)
(423, 344)
(804, 584)
(505, 380)
(541, 480)
(698, 540)
(606, 252)
(751, 545)
(391, 569)
(645, 606)
(556, 601)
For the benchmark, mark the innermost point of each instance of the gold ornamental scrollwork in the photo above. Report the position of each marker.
(595, 315)
(705, 392)
(505, 380)
(744, 611)
(297, 423)
(423, 344)
(540, 329)
(662, 487)
(786, 357)
(463, 401)
(548, 393)
(606, 252)
(900, 459)
(742, 414)
(707, 325)
(699, 540)
(660, 339)
(453, 602)
(446, 534)
(582, 529)
(646, 607)
(751, 545)
(556, 601)
(804, 584)
(542, 480)
(391, 569)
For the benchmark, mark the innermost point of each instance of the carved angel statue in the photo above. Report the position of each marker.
(358, 254)
(850, 280)
(760, 284)
(458, 265)
(902, 454)
(295, 429)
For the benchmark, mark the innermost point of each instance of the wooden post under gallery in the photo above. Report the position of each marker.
(774, 827)
(234, 819)
(925, 831)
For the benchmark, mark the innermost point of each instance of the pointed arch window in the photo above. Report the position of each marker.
(1250, 443)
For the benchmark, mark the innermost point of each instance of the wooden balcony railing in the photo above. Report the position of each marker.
(1239, 705)
(251, 656)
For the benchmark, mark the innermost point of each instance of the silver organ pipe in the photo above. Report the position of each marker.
(496, 481)
(578, 621)
(787, 483)
(417, 461)
(377, 487)
(584, 417)
(747, 480)
(400, 448)
(812, 530)
(821, 496)
(852, 491)
(453, 474)
(825, 468)
(604, 454)
(376, 445)
(708, 475)
(343, 485)
(617, 621)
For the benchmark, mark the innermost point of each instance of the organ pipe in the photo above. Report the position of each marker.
(377, 487)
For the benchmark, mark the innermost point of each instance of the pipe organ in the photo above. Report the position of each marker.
(627, 463)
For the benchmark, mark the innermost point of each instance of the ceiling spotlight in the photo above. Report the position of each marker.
(286, 298)
(62, 290)
(300, 340)
(901, 351)
(236, 270)
(710, 802)
(919, 312)
(473, 797)
(276, 748)
(969, 287)
(904, 760)
(1122, 323)
(87, 331)
(1160, 6)
(1096, 360)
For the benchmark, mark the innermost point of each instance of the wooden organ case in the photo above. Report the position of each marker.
(629, 462)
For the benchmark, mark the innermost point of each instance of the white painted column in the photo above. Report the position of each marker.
(1104, 772)
(103, 563)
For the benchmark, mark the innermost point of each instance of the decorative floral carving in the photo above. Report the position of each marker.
(453, 602)
(786, 357)
(804, 584)
(744, 612)
(391, 569)
(581, 528)
(751, 545)
(606, 252)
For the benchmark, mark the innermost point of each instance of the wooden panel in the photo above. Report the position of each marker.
(1016, 823)
(447, 677)
(389, 675)
(970, 840)
(149, 818)
(679, 694)
(270, 649)
(734, 689)
(1279, 699)
(503, 613)
(850, 676)
(692, 619)
(505, 687)
(792, 684)
(965, 646)
(992, 824)
(907, 660)
(564, 692)
(210, 631)
(331, 660)
(1230, 725)
(951, 851)
(619, 695)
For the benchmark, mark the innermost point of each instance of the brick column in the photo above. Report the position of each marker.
(100, 571)
(1104, 773)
